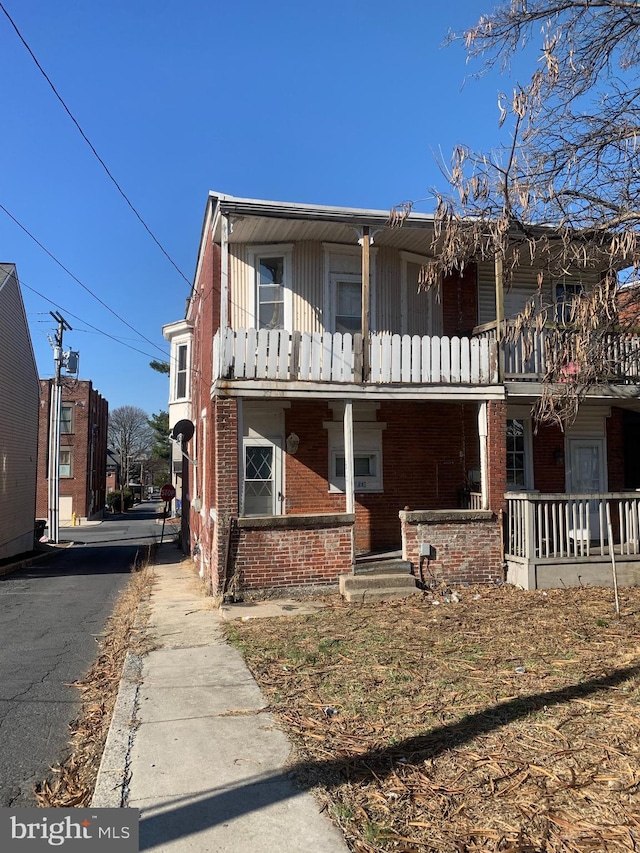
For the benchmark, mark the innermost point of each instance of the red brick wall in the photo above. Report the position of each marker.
(205, 315)
(615, 450)
(548, 475)
(428, 448)
(274, 557)
(89, 469)
(496, 454)
(467, 548)
(224, 426)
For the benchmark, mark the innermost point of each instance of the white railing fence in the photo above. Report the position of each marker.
(525, 355)
(556, 526)
(325, 357)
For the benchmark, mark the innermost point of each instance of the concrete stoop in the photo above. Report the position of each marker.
(378, 580)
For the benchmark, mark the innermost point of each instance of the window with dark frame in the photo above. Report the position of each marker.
(66, 418)
(516, 453)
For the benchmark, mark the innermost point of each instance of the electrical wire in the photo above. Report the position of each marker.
(77, 280)
(86, 323)
(88, 141)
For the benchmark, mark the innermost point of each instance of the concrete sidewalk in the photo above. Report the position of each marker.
(190, 743)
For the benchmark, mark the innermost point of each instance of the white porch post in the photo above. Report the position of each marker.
(482, 432)
(349, 485)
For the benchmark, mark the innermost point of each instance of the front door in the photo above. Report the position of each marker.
(586, 474)
(262, 477)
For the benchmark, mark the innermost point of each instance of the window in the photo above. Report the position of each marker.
(516, 454)
(567, 293)
(65, 468)
(270, 292)
(367, 456)
(66, 418)
(269, 288)
(348, 305)
(181, 373)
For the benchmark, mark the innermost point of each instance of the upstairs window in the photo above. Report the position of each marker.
(348, 317)
(270, 292)
(567, 293)
(66, 418)
(181, 372)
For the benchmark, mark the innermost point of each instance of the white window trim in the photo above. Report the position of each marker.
(176, 343)
(330, 276)
(367, 441)
(270, 250)
(435, 305)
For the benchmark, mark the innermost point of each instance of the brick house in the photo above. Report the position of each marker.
(335, 422)
(83, 450)
(19, 398)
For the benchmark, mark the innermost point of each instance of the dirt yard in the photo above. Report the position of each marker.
(502, 721)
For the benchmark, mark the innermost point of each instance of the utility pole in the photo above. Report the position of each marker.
(54, 429)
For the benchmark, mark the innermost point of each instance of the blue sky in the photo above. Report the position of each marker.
(343, 102)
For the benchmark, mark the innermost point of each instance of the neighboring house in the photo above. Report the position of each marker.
(180, 336)
(19, 398)
(429, 409)
(83, 450)
(112, 471)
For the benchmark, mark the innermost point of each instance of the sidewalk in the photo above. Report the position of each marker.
(204, 762)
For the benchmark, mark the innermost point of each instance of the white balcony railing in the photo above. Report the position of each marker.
(240, 354)
(525, 357)
(561, 526)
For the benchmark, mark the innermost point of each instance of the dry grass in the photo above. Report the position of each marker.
(509, 721)
(72, 783)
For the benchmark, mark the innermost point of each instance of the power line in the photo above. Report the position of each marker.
(76, 279)
(86, 323)
(98, 157)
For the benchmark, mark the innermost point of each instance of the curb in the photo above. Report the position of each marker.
(111, 787)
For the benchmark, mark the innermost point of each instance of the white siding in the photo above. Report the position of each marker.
(19, 403)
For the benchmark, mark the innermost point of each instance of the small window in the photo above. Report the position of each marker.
(270, 292)
(516, 454)
(567, 294)
(66, 418)
(65, 468)
(181, 373)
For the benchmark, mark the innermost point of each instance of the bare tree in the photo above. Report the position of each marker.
(565, 192)
(130, 434)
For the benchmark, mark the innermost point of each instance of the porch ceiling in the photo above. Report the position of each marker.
(623, 396)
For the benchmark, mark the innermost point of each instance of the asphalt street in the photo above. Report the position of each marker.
(51, 615)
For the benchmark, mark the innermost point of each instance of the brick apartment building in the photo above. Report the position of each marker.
(322, 440)
(83, 450)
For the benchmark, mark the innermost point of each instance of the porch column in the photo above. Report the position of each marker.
(366, 302)
(349, 484)
(349, 489)
(482, 432)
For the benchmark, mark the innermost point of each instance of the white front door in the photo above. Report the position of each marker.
(587, 474)
(262, 477)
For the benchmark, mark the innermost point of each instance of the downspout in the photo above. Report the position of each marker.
(499, 276)
(224, 288)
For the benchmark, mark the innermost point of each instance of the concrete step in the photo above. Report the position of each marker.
(377, 587)
(392, 566)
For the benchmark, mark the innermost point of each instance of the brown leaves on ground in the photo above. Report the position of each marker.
(72, 783)
(506, 721)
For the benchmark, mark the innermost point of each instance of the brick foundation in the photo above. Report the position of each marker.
(466, 545)
(291, 550)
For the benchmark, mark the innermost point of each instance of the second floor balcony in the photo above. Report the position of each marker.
(282, 356)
